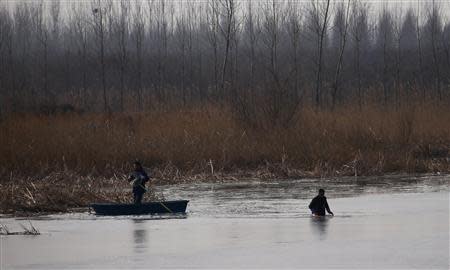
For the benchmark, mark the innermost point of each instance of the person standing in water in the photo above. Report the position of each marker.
(319, 204)
(139, 177)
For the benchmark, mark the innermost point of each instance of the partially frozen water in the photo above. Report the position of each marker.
(388, 222)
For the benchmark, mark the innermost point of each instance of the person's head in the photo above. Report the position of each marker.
(321, 192)
(137, 166)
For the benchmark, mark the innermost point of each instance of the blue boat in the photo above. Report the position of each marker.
(118, 209)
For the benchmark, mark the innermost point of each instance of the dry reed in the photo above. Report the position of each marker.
(75, 157)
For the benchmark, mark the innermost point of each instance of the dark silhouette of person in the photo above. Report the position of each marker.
(139, 177)
(319, 204)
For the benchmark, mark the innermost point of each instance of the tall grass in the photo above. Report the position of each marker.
(189, 142)
(54, 163)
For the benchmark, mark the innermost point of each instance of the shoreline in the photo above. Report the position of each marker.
(72, 193)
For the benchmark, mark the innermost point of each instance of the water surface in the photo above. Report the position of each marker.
(388, 222)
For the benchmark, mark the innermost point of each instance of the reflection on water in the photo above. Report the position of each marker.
(256, 225)
(139, 235)
(319, 226)
(290, 198)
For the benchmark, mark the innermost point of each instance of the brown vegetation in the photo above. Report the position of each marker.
(186, 142)
(4, 230)
(57, 162)
(225, 89)
(62, 192)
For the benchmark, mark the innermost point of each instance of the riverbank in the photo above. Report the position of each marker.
(66, 192)
(57, 162)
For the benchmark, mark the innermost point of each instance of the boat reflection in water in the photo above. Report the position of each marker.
(139, 236)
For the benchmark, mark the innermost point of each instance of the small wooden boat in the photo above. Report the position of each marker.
(116, 209)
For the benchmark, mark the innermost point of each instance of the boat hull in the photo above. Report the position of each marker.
(118, 209)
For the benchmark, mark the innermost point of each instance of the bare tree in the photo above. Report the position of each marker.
(42, 40)
(162, 49)
(341, 26)
(320, 13)
(294, 31)
(6, 64)
(359, 33)
(446, 46)
(121, 32)
(138, 35)
(419, 49)
(398, 36)
(80, 34)
(227, 10)
(271, 39)
(99, 13)
(258, 58)
(252, 32)
(408, 45)
(384, 45)
(190, 45)
(213, 38)
(182, 34)
(434, 28)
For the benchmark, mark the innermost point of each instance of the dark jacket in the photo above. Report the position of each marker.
(318, 205)
(139, 179)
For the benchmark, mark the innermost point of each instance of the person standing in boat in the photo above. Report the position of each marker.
(319, 204)
(139, 177)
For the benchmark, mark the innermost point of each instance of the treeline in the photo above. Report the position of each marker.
(266, 57)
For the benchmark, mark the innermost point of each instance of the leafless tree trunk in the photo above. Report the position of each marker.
(228, 8)
(257, 58)
(162, 39)
(252, 31)
(272, 22)
(320, 11)
(42, 35)
(182, 34)
(99, 14)
(6, 64)
(359, 33)
(212, 30)
(80, 28)
(419, 50)
(190, 48)
(121, 26)
(235, 72)
(435, 29)
(139, 34)
(343, 40)
(294, 29)
(384, 42)
(398, 52)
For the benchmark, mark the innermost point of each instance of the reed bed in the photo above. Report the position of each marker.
(65, 161)
(31, 230)
(63, 192)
